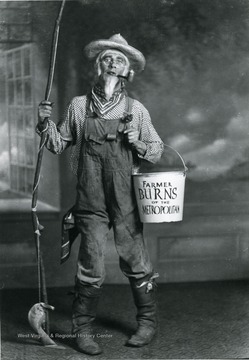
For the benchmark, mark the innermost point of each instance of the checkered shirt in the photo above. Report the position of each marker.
(70, 130)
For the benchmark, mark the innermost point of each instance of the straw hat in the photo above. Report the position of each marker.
(116, 42)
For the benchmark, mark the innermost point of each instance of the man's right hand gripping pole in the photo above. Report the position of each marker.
(44, 113)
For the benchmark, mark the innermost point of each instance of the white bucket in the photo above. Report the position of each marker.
(160, 195)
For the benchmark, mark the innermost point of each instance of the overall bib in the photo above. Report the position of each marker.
(106, 199)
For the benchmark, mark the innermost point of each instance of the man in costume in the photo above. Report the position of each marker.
(109, 133)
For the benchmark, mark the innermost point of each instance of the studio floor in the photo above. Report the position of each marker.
(197, 321)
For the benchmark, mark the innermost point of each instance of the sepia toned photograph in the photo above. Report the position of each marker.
(124, 179)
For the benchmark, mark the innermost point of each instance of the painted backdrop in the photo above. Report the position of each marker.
(195, 84)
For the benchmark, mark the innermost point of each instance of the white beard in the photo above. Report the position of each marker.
(110, 85)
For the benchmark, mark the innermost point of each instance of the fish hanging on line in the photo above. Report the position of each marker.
(37, 319)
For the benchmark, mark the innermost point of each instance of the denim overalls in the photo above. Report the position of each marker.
(105, 199)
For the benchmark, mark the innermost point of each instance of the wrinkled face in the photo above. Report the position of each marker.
(112, 63)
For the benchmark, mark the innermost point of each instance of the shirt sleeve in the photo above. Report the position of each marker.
(149, 136)
(60, 136)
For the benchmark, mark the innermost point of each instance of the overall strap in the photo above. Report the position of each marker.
(88, 101)
(127, 117)
(128, 105)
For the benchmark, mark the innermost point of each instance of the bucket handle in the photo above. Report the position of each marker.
(183, 162)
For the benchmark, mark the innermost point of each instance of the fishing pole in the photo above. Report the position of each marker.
(35, 220)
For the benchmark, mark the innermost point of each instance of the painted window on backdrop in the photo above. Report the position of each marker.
(17, 153)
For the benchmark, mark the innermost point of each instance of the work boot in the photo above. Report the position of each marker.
(144, 297)
(84, 312)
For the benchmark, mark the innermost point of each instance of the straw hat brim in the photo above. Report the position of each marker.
(135, 57)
